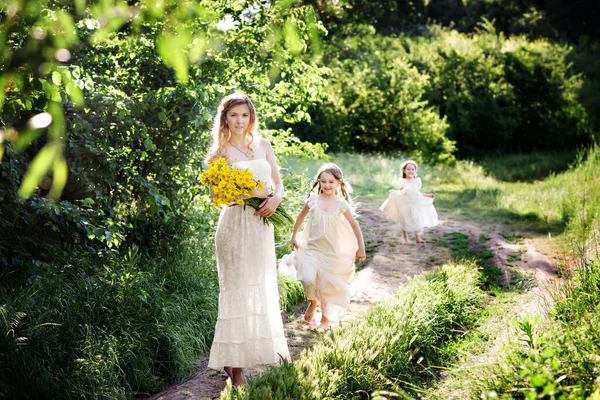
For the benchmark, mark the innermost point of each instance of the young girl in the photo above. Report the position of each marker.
(325, 251)
(409, 207)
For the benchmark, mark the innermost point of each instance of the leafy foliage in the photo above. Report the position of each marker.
(498, 94)
(376, 101)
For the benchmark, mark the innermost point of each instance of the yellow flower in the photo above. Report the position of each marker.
(228, 184)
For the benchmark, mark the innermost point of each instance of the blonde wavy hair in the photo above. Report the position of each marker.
(220, 131)
(345, 188)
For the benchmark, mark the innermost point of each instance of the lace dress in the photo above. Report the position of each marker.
(325, 257)
(409, 207)
(249, 329)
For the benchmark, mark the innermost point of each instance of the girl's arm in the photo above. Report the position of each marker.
(268, 207)
(297, 225)
(430, 195)
(360, 253)
(401, 183)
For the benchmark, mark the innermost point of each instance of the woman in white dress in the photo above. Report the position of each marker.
(249, 328)
(408, 207)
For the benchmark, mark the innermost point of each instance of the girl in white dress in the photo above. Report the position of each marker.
(249, 328)
(325, 251)
(408, 207)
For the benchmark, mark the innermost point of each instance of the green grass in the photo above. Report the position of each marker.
(291, 293)
(526, 167)
(121, 326)
(116, 334)
(556, 358)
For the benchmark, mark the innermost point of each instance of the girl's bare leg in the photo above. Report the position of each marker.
(324, 325)
(405, 237)
(310, 311)
(229, 371)
(238, 377)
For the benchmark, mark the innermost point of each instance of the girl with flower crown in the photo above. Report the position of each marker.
(325, 251)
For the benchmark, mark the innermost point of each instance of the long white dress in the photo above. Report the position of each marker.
(325, 257)
(409, 207)
(249, 330)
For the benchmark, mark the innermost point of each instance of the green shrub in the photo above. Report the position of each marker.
(501, 94)
(376, 101)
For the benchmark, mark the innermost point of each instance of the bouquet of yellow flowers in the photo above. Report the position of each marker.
(232, 186)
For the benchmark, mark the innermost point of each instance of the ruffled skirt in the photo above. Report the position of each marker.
(412, 211)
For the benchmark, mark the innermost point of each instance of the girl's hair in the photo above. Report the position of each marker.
(220, 131)
(405, 163)
(345, 188)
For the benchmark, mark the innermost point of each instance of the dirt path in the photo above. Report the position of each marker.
(389, 264)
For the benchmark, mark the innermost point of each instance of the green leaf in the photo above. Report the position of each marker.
(80, 6)
(60, 174)
(38, 168)
(56, 78)
(26, 138)
(2, 91)
(172, 49)
(52, 91)
(292, 38)
(57, 127)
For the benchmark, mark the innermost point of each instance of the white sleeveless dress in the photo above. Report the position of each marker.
(249, 330)
(409, 207)
(325, 257)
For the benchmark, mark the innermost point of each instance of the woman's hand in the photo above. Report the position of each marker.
(294, 244)
(268, 206)
(261, 194)
(360, 254)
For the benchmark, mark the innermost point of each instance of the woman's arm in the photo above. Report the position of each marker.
(297, 225)
(360, 253)
(268, 207)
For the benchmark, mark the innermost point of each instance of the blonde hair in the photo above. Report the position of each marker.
(336, 172)
(405, 163)
(220, 131)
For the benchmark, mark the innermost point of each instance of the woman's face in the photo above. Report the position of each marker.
(329, 183)
(238, 119)
(410, 171)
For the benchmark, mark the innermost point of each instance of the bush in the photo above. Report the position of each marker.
(376, 101)
(502, 95)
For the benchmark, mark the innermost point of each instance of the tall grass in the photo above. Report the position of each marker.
(395, 346)
(115, 334)
(559, 359)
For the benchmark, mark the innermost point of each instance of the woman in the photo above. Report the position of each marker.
(249, 328)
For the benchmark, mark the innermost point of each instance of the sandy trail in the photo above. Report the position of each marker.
(389, 264)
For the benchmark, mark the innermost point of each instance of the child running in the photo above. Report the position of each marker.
(325, 251)
(408, 207)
